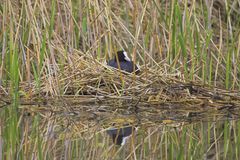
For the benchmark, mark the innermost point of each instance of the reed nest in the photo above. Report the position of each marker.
(58, 96)
(86, 93)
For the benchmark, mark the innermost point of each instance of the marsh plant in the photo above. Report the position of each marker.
(53, 78)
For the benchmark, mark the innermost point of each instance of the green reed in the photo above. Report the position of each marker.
(11, 132)
(37, 36)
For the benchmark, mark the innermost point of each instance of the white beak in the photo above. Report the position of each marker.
(124, 140)
(126, 56)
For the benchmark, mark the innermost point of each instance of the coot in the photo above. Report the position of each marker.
(124, 62)
(120, 135)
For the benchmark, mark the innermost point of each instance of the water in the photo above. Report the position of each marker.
(76, 128)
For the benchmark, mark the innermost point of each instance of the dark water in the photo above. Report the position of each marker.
(73, 129)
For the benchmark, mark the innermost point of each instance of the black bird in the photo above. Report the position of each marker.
(120, 135)
(125, 63)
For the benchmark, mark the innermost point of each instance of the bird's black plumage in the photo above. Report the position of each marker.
(119, 134)
(125, 63)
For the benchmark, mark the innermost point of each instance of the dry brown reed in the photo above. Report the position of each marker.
(188, 52)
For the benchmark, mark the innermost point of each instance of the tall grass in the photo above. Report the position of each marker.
(42, 42)
(185, 35)
(11, 131)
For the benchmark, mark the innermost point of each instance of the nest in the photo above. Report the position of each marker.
(86, 93)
